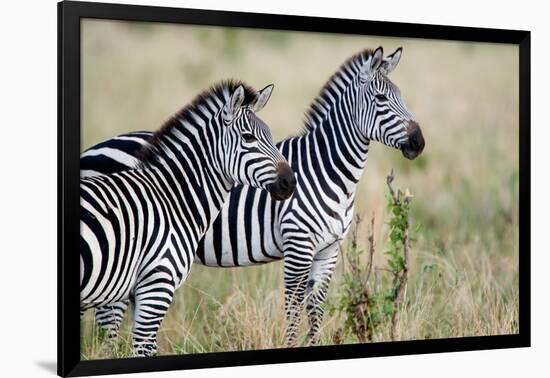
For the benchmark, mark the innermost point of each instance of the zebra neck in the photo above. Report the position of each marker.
(186, 157)
(341, 149)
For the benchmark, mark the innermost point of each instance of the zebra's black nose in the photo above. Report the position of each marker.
(288, 183)
(415, 142)
(285, 184)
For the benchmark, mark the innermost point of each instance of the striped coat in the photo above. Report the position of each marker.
(359, 104)
(140, 227)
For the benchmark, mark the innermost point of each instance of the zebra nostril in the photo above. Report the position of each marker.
(415, 142)
(288, 183)
(293, 183)
(284, 184)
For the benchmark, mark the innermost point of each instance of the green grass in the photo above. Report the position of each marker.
(464, 264)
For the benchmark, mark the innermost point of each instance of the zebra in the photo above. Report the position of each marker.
(357, 105)
(140, 226)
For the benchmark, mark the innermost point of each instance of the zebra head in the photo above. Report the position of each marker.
(251, 157)
(382, 114)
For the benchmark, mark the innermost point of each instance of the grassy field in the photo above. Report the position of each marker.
(464, 262)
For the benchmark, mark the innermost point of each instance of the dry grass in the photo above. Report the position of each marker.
(464, 264)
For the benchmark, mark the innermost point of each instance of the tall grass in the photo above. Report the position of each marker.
(463, 277)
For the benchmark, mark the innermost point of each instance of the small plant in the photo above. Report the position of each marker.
(368, 306)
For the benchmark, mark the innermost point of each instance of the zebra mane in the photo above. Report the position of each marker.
(347, 71)
(221, 90)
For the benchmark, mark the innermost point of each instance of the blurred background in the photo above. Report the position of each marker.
(464, 261)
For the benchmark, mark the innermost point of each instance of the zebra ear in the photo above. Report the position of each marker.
(261, 98)
(372, 64)
(235, 101)
(390, 62)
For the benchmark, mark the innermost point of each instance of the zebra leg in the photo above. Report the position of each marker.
(318, 283)
(297, 265)
(109, 317)
(152, 298)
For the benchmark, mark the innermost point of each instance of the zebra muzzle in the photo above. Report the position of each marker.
(415, 142)
(285, 184)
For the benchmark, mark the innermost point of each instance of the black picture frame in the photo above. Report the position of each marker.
(69, 16)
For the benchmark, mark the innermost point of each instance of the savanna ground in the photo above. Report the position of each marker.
(464, 263)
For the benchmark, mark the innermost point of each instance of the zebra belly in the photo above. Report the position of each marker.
(244, 233)
(112, 236)
(111, 280)
(109, 275)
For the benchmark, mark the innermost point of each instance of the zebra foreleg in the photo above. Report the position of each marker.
(109, 317)
(152, 299)
(297, 265)
(318, 284)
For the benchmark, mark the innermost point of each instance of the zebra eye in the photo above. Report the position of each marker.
(249, 138)
(381, 97)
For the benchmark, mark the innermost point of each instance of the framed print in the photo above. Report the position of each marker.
(250, 188)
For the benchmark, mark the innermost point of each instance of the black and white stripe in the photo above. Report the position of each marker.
(140, 227)
(358, 104)
(114, 155)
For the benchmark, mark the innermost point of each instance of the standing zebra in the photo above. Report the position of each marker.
(139, 228)
(358, 104)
